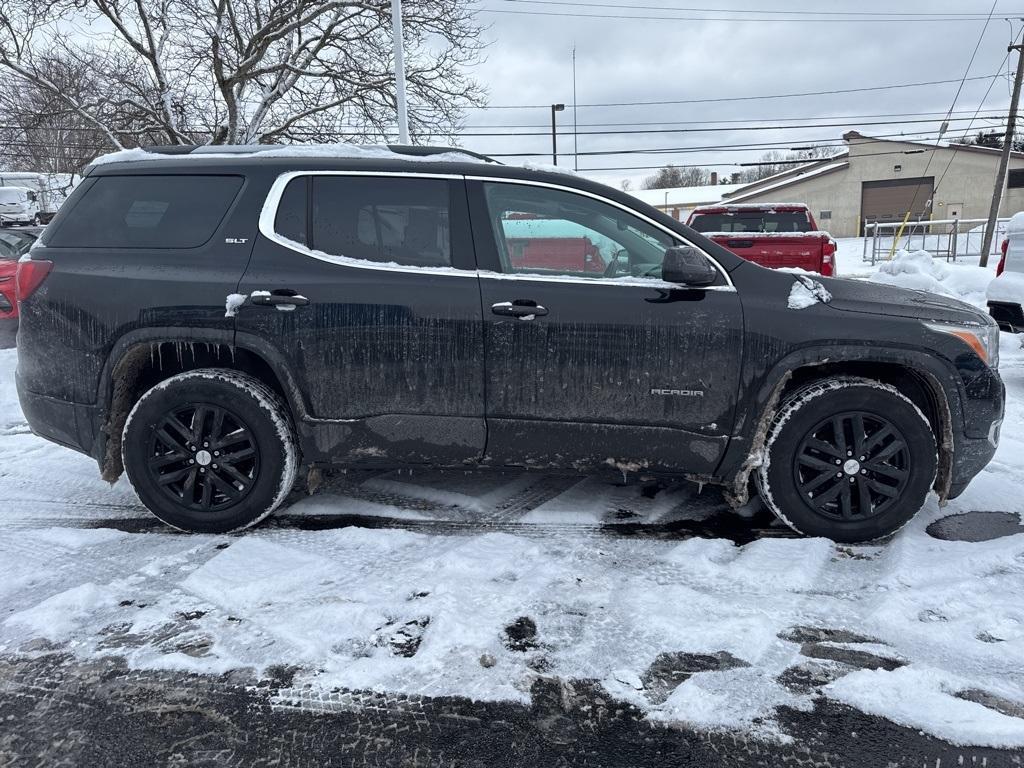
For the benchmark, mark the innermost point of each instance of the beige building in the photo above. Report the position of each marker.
(883, 179)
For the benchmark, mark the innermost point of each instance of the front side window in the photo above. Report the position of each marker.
(385, 220)
(158, 211)
(551, 232)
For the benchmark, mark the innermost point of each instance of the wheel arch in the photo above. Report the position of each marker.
(925, 380)
(144, 358)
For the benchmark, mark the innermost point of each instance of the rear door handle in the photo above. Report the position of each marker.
(280, 298)
(525, 309)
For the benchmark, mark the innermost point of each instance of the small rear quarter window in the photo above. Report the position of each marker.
(153, 211)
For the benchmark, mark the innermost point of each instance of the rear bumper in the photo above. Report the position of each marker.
(72, 425)
(1008, 315)
(8, 332)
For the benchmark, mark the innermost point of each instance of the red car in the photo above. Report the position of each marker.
(772, 235)
(14, 243)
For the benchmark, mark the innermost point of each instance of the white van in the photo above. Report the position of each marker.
(19, 205)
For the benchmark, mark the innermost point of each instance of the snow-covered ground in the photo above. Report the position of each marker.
(475, 584)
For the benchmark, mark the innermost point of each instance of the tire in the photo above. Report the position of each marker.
(36, 221)
(172, 445)
(849, 459)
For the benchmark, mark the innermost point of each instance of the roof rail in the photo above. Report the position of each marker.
(411, 150)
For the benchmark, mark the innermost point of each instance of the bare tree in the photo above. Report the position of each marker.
(773, 162)
(674, 176)
(243, 71)
(42, 134)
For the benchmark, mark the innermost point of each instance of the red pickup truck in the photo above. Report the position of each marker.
(772, 235)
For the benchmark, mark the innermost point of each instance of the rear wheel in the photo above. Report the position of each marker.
(847, 458)
(210, 450)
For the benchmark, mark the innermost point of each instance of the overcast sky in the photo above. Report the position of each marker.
(529, 61)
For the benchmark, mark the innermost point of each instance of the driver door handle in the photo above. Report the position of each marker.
(280, 298)
(525, 309)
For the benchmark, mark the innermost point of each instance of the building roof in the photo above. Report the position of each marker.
(686, 196)
(841, 162)
(787, 178)
(931, 144)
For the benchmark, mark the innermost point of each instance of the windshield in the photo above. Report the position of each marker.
(14, 244)
(11, 195)
(752, 221)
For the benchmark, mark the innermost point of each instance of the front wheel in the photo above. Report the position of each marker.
(210, 450)
(847, 458)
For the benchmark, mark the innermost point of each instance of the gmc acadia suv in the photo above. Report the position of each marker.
(215, 320)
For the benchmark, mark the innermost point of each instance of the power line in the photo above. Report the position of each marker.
(733, 19)
(836, 158)
(999, 71)
(759, 97)
(766, 145)
(804, 12)
(723, 121)
(729, 129)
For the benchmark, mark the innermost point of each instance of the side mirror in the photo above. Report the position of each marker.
(686, 265)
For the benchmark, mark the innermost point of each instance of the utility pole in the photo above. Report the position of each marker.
(1004, 158)
(396, 32)
(554, 133)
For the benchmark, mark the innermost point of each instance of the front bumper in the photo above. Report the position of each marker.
(15, 218)
(1008, 315)
(977, 439)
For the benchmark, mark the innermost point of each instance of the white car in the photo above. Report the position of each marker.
(19, 205)
(1006, 292)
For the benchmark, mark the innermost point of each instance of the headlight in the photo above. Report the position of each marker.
(983, 339)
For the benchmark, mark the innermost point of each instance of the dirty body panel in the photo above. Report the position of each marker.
(412, 365)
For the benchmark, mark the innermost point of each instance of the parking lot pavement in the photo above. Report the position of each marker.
(488, 619)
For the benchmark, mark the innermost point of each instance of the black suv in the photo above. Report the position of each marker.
(214, 321)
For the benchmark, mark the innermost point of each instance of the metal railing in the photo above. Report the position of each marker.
(949, 238)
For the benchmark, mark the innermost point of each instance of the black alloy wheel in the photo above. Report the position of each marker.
(854, 465)
(847, 458)
(204, 456)
(211, 450)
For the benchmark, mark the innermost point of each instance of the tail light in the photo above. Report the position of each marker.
(1002, 259)
(828, 258)
(31, 273)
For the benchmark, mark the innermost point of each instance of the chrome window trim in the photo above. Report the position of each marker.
(268, 215)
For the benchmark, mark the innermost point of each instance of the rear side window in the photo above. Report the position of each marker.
(752, 221)
(293, 212)
(403, 221)
(159, 211)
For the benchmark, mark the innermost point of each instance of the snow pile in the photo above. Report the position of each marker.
(807, 292)
(918, 270)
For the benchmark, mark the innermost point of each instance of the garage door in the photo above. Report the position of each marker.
(890, 200)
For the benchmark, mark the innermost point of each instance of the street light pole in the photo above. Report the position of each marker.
(396, 32)
(554, 133)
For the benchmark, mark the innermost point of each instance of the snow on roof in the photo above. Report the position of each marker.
(682, 196)
(369, 151)
(820, 171)
(813, 235)
(726, 205)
